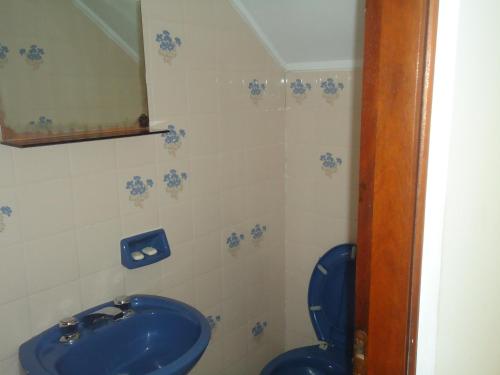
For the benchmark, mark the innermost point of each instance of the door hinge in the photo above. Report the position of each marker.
(359, 361)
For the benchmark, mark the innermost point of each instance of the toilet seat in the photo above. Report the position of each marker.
(331, 295)
(331, 309)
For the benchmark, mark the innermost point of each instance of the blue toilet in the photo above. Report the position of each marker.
(331, 308)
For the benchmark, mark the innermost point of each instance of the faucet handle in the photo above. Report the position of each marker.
(69, 330)
(70, 323)
(122, 302)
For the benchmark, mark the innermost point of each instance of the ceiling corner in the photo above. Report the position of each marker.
(250, 20)
(307, 35)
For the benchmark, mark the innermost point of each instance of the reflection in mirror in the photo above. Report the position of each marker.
(70, 69)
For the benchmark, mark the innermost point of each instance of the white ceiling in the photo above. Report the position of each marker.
(308, 34)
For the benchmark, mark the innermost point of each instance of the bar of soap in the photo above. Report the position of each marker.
(150, 251)
(137, 255)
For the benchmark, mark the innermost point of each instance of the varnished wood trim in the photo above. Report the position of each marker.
(46, 140)
(367, 167)
(397, 81)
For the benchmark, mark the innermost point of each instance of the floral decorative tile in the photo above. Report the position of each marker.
(257, 233)
(168, 45)
(33, 55)
(213, 321)
(234, 240)
(5, 212)
(4, 53)
(43, 123)
(138, 190)
(330, 163)
(258, 328)
(256, 90)
(299, 89)
(173, 139)
(331, 89)
(174, 182)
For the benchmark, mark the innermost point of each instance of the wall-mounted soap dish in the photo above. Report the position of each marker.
(145, 248)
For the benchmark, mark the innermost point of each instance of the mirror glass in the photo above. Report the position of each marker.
(70, 68)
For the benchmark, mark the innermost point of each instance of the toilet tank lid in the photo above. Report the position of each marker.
(331, 295)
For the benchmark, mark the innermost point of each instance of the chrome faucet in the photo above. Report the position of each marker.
(120, 310)
(108, 312)
(69, 327)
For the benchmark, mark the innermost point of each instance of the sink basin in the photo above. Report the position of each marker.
(162, 337)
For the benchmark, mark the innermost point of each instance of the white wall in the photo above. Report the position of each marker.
(436, 183)
(469, 302)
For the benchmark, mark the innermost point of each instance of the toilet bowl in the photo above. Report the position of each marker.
(331, 309)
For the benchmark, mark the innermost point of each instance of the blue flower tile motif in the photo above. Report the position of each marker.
(138, 190)
(5, 211)
(4, 52)
(168, 45)
(256, 89)
(258, 328)
(331, 89)
(174, 182)
(33, 55)
(234, 240)
(257, 233)
(300, 88)
(43, 123)
(213, 321)
(330, 163)
(173, 139)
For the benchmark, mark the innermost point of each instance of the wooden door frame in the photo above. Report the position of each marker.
(397, 94)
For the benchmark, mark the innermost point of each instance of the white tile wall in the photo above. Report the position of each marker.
(92, 157)
(31, 165)
(45, 208)
(97, 200)
(16, 326)
(51, 261)
(7, 168)
(320, 205)
(98, 241)
(60, 246)
(48, 306)
(13, 284)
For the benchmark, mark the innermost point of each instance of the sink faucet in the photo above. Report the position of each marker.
(120, 310)
(108, 312)
(69, 327)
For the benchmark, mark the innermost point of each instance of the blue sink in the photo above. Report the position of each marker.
(161, 337)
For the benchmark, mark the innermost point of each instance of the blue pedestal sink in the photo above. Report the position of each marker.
(160, 336)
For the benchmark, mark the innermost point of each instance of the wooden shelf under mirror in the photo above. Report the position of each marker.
(34, 140)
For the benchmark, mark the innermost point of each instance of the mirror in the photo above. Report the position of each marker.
(71, 70)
